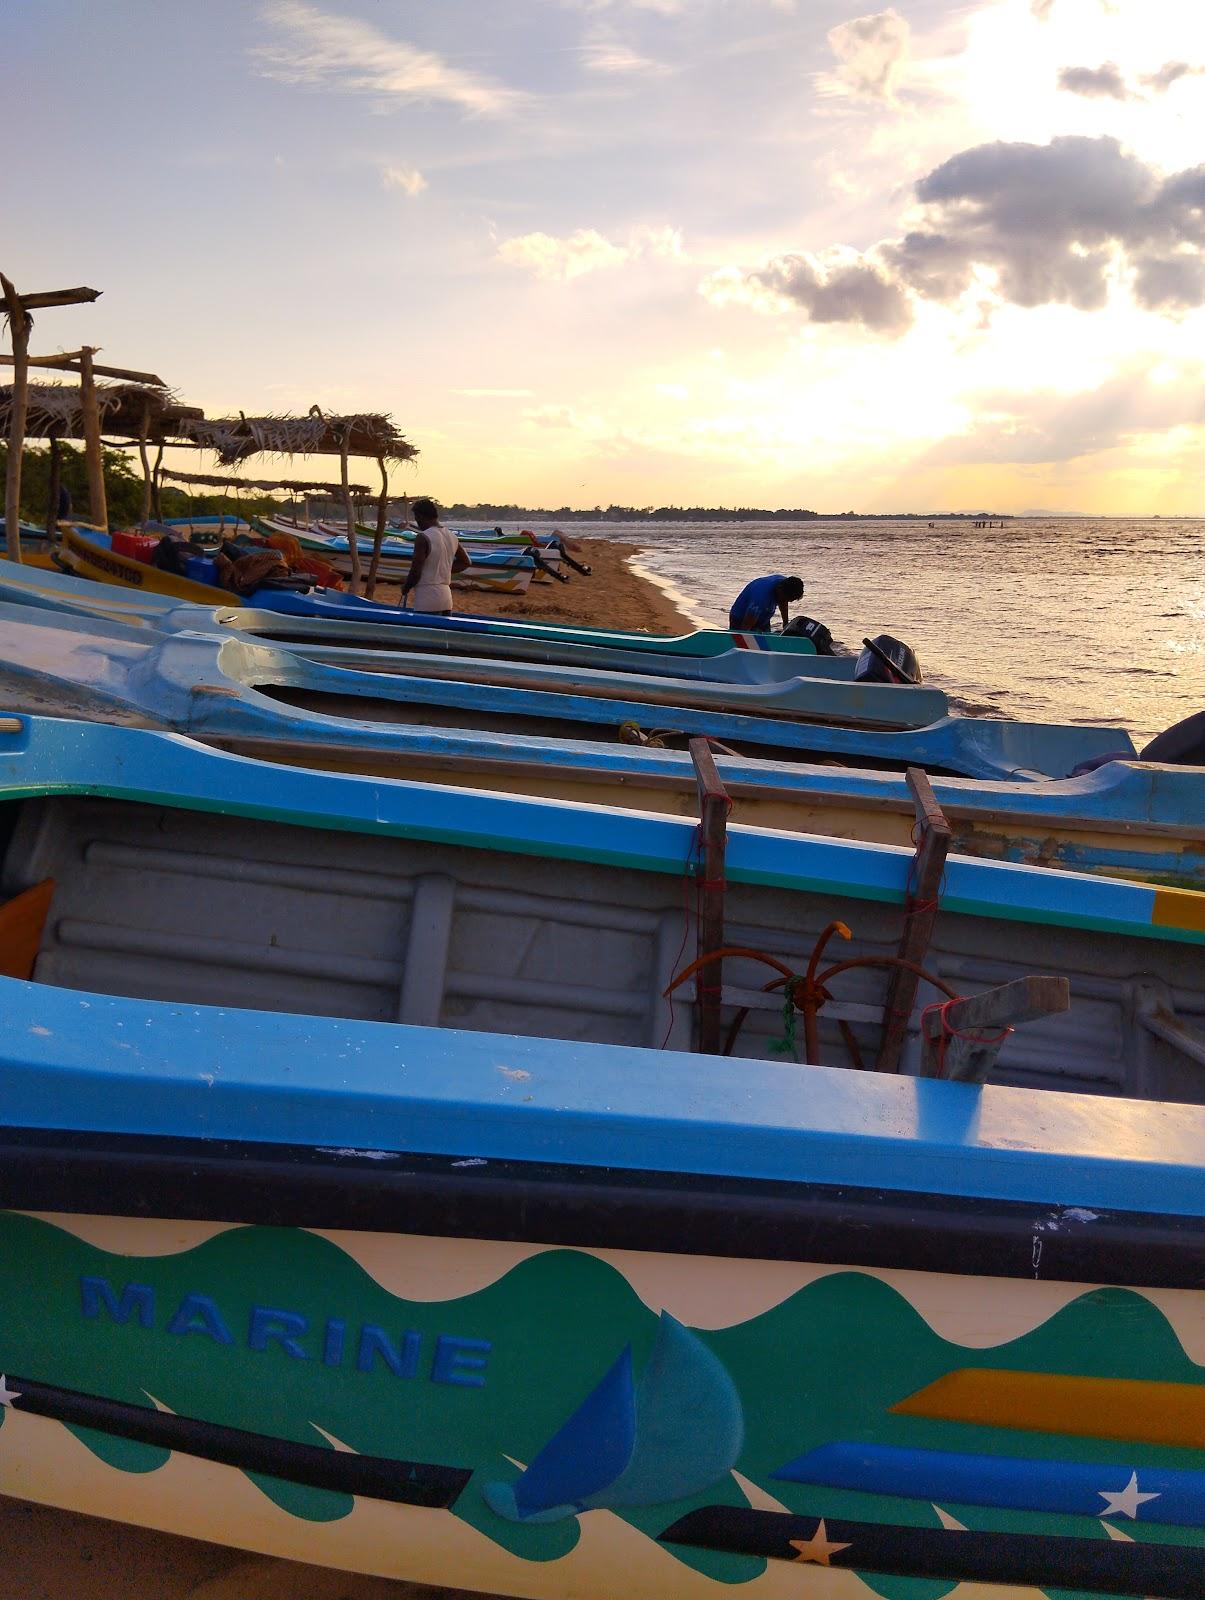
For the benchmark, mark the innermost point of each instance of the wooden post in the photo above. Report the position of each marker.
(98, 511)
(920, 913)
(714, 806)
(18, 327)
(353, 542)
(378, 541)
(52, 491)
(947, 1052)
(157, 485)
(146, 466)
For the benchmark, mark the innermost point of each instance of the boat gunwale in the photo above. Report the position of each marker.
(559, 1204)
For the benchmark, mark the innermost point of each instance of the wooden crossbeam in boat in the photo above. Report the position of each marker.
(953, 1041)
(714, 806)
(920, 913)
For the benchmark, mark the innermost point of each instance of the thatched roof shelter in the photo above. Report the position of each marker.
(56, 411)
(235, 438)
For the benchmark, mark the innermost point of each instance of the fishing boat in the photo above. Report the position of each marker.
(345, 629)
(378, 1215)
(485, 563)
(94, 557)
(551, 638)
(229, 686)
(1125, 818)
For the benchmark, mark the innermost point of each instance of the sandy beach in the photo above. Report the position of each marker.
(57, 1555)
(614, 596)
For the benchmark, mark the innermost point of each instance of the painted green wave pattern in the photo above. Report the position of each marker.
(826, 1364)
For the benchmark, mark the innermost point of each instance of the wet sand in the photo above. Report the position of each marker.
(58, 1555)
(614, 596)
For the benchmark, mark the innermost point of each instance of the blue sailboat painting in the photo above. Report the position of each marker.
(630, 1443)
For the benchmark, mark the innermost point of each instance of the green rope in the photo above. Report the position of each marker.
(786, 1045)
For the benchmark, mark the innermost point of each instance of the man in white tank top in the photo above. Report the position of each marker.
(438, 553)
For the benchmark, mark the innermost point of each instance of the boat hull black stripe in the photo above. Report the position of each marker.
(591, 1207)
(410, 1482)
(1099, 1566)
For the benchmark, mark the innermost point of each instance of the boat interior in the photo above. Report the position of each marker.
(200, 908)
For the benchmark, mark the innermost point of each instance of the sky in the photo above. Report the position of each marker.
(710, 252)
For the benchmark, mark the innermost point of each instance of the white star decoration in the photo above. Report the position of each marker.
(7, 1395)
(1124, 1502)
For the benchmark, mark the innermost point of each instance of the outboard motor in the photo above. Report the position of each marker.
(809, 628)
(887, 660)
(1182, 745)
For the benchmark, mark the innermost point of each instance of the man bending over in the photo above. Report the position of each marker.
(753, 609)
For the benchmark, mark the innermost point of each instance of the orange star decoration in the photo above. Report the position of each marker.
(818, 1548)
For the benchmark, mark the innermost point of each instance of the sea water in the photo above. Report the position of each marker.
(1098, 620)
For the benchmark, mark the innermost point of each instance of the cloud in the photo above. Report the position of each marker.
(408, 179)
(314, 49)
(1103, 82)
(873, 51)
(495, 394)
(604, 52)
(1051, 221)
(1013, 428)
(837, 287)
(1025, 224)
(558, 260)
(1170, 72)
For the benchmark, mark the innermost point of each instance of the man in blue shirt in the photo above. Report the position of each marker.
(753, 609)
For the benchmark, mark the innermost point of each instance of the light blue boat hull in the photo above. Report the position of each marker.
(198, 684)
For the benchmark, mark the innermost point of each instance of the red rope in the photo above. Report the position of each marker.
(947, 1032)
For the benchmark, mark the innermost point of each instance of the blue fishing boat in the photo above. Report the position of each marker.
(344, 625)
(1124, 817)
(228, 686)
(336, 1224)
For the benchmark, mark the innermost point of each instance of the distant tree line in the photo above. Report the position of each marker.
(511, 513)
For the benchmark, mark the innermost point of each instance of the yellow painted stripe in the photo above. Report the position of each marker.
(1096, 1408)
(1179, 908)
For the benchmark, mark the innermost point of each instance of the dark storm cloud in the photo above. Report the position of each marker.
(854, 291)
(1103, 82)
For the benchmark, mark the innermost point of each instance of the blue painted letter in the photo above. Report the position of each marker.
(97, 1291)
(197, 1313)
(267, 1323)
(332, 1344)
(454, 1364)
(375, 1342)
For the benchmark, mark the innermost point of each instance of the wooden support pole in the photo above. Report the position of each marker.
(52, 491)
(18, 327)
(714, 806)
(920, 913)
(157, 485)
(379, 540)
(98, 511)
(146, 466)
(353, 541)
(39, 300)
(71, 363)
(949, 1046)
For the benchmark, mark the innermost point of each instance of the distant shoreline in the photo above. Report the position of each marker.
(633, 516)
